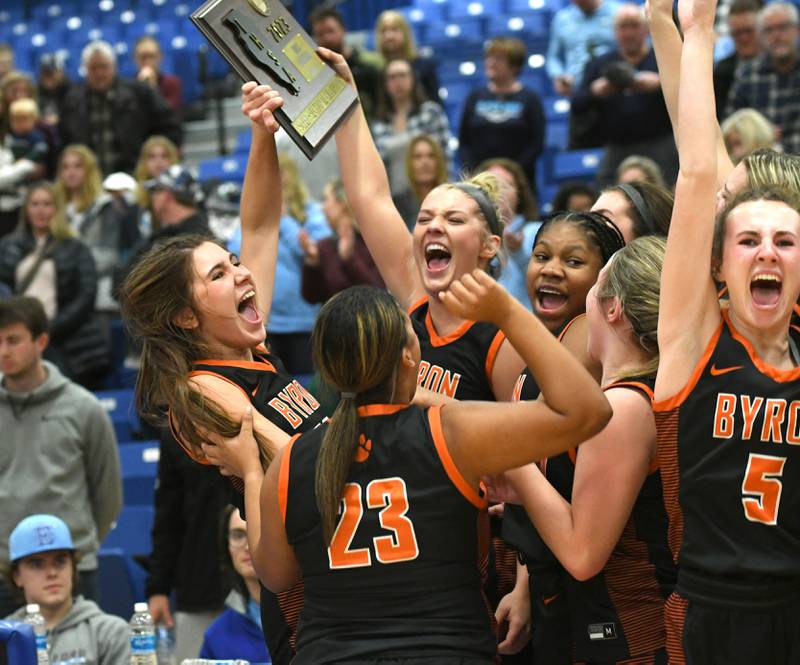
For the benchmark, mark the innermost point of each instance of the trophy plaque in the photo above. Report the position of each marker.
(263, 42)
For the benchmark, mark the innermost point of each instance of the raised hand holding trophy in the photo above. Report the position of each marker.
(263, 42)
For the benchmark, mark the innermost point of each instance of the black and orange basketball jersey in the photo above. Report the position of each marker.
(400, 577)
(729, 446)
(460, 364)
(617, 614)
(290, 407)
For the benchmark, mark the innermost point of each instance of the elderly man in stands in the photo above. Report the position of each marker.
(770, 83)
(743, 29)
(623, 88)
(114, 116)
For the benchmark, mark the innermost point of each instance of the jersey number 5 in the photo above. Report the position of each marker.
(763, 485)
(391, 496)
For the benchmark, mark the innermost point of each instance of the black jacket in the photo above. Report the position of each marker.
(189, 501)
(76, 279)
(139, 112)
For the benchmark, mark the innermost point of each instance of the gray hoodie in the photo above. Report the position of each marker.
(87, 636)
(58, 455)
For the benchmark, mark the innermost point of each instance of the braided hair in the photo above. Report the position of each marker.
(601, 231)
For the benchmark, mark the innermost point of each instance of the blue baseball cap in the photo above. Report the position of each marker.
(39, 533)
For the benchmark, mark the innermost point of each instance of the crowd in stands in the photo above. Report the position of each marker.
(93, 179)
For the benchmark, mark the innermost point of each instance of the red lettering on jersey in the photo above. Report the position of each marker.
(516, 396)
(750, 409)
(723, 416)
(793, 428)
(307, 396)
(433, 377)
(297, 398)
(424, 366)
(774, 415)
(450, 383)
(434, 381)
(294, 420)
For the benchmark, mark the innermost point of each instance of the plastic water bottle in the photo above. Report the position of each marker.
(143, 636)
(34, 617)
(165, 645)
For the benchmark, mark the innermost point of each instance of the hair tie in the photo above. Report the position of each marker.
(348, 395)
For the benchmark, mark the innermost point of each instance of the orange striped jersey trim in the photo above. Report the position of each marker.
(470, 494)
(283, 477)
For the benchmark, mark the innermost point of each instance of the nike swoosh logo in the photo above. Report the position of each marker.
(549, 599)
(724, 370)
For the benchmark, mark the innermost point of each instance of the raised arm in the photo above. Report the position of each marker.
(261, 193)
(668, 47)
(609, 471)
(485, 438)
(688, 308)
(369, 196)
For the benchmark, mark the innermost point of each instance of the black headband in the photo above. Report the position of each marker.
(641, 207)
(484, 203)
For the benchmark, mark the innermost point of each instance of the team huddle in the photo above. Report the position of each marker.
(613, 477)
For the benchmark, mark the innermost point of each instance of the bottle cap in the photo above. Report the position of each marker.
(32, 608)
(140, 607)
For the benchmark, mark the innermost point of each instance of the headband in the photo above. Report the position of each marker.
(484, 203)
(643, 210)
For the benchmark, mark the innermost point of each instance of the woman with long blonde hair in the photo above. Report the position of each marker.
(78, 182)
(158, 153)
(395, 41)
(44, 259)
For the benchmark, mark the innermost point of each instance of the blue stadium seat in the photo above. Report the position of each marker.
(121, 582)
(18, 643)
(139, 462)
(527, 28)
(230, 167)
(119, 404)
(243, 141)
(461, 10)
(556, 134)
(577, 165)
(131, 533)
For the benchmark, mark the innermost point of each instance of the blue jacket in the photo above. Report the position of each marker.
(290, 312)
(234, 635)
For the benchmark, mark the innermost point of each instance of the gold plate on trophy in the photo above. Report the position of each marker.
(260, 6)
(301, 54)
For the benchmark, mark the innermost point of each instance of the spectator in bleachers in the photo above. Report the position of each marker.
(176, 203)
(637, 168)
(13, 176)
(237, 632)
(44, 259)
(291, 317)
(426, 169)
(395, 40)
(504, 119)
(158, 153)
(328, 30)
(110, 228)
(522, 212)
(770, 83)
(623, 88)
(185, 559)
(17, 85)
(579, 32)
(577, 196)
(24, 139)
(743, 29)
(403, 112)
(59, 451)
(148, 57)
(78, 182)
(114, 116)
(745, 131)
(6, 59)
(340, 261)
(53, 87)
(44, 565)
